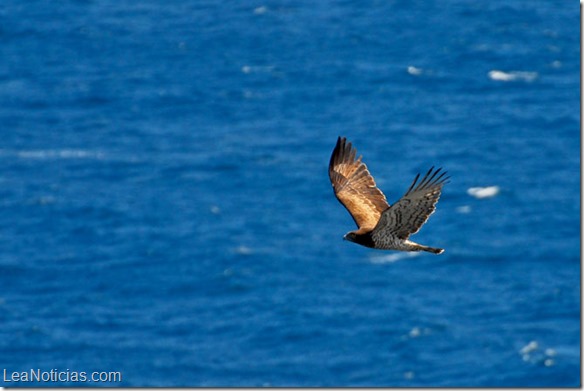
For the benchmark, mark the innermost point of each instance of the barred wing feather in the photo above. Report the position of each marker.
(407, 216)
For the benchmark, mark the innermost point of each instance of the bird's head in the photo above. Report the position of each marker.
(350, 236)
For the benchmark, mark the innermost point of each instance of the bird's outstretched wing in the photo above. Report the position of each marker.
(355, 187)
(407, 216)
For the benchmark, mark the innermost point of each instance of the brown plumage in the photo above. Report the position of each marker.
(380, 225)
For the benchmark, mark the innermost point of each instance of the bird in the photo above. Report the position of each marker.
(383, 226)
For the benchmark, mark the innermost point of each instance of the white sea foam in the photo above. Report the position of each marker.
(512, 76)
(412, 70)
(260, 10)
(415, 332)
(483, 192)
(526, 351)
(257, 68)
(530, 347)
(394, 257)
(243, 250)
(548, 362)
(58, 154)
(534, 354)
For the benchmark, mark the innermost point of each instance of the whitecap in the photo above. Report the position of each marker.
(59, 154)
(533, 353)
(260, 10)
(257, 69)
(512, 76)
(483, 192)
(412, 70)
(390, 258)
(530, 347)
(243, 250)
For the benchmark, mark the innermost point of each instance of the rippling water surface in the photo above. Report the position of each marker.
(165, 209)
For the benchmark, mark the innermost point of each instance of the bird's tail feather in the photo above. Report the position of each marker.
(432, 250)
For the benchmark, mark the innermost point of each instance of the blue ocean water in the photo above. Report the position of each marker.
(166, 213)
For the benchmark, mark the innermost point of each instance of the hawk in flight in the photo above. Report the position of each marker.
(380, 225)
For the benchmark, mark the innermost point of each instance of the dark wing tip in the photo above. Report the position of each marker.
(432, 178)
(335, 153)
(343, 153)
(336, 157)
